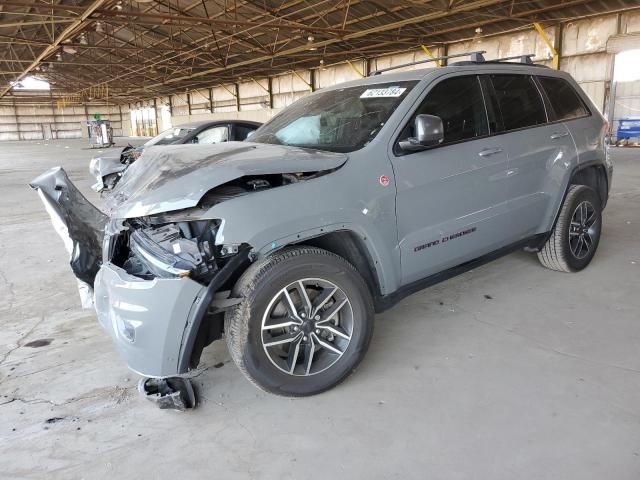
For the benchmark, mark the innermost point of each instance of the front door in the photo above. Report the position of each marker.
(451, 198)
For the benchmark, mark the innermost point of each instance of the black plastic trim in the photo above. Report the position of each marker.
(192, 328)
(574, 171)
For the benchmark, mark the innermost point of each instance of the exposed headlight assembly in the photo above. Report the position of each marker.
(150, 248)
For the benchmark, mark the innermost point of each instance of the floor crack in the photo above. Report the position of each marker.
(12, 292)
(20, 341)
(31, 401)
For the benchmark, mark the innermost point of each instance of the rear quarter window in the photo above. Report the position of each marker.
(565, 101)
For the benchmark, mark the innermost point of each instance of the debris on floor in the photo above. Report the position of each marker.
(175, 393)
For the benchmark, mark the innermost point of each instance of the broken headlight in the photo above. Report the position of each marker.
(170, 251)
(156, 259)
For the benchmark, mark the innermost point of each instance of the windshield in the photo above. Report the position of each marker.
(169, 136)
(339, 120)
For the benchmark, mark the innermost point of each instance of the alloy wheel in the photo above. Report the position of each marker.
(307, 326)
(583, 229)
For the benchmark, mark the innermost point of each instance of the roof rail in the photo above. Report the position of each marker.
(475, 57)
(526, 59)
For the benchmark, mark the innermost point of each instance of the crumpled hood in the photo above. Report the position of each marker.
(174, 177)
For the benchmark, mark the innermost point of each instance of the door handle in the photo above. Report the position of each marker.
(556, 136)
(489, 151)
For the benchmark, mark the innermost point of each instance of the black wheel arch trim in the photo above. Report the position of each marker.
(234, 265)
(574, 172)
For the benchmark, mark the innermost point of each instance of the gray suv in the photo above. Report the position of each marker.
(344, 203)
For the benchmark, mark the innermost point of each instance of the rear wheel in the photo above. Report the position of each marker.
(575, 237)
(304, 324)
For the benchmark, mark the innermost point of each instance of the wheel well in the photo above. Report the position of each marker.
(594, 177)
(343, 243)
(349, 246)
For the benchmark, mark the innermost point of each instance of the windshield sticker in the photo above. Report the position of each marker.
(383, 92)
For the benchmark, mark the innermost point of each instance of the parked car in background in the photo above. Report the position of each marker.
(108, 169)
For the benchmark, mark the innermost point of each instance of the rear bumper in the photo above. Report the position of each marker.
(146, 318)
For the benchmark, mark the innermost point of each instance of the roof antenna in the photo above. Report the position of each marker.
(477, 57)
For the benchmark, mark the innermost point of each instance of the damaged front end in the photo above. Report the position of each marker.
(160, 268)
(162, 289)
(157, 282)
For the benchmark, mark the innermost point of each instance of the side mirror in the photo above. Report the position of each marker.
(429, 132)
(194, 139)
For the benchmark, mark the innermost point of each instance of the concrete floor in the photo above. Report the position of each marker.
(510, 371)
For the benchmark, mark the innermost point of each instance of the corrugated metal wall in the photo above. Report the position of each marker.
(583, 54)
(38, 122)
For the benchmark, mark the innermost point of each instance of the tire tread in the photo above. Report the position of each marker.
(553, 255)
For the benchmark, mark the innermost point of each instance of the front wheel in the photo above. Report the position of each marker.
(304, 324)
(575, 237)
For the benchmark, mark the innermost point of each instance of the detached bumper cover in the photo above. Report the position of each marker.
(146, 318)
(79, 224)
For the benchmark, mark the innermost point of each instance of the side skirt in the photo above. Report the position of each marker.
(385, 302)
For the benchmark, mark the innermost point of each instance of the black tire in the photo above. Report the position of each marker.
(260, 285)
(561, 251)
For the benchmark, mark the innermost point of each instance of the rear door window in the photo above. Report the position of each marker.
(519, 103)
(565, 101)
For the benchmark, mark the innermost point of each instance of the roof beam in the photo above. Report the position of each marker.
(120, 16)
(51, 48)
(468, 6)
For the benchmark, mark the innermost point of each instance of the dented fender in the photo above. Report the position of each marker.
(273, 218)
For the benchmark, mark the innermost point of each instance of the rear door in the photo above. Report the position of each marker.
(450, 198)
(567, 106)
(536, 148)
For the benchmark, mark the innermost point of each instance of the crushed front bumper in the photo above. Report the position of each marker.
(146, 318)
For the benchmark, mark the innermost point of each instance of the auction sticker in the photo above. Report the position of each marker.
(383, 92)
